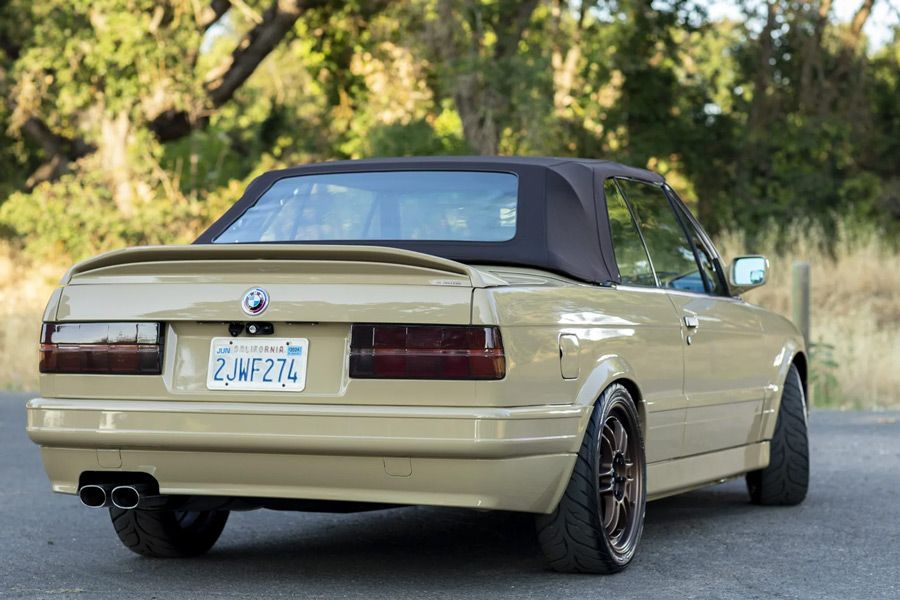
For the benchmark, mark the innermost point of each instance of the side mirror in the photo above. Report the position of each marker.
(747, 272)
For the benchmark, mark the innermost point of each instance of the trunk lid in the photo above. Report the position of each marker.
(304, 283)
(315, 293)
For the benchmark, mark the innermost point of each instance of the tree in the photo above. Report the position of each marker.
(136, 121)
(476, 45)
(124, 66)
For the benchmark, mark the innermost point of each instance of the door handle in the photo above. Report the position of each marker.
(691, 322)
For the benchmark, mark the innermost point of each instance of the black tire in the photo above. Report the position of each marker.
(168, 534)
(786, 480)
(580, 536)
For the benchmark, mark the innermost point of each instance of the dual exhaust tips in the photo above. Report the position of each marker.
(125, 497)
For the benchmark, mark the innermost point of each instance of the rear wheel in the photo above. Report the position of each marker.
(786, 479)
(598, 523)
(168, 534)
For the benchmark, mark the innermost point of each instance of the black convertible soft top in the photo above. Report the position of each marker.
(562, 223)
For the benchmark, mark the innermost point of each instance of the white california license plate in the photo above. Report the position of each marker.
(266, 364)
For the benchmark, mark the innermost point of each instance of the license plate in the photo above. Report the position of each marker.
(266, 364)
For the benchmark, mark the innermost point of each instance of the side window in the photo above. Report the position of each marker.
(631, 256)
(672, 255)
(706, 260)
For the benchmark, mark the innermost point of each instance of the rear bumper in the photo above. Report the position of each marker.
(496, 458)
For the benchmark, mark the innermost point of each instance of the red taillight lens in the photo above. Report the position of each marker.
(426, 352)
(104, 348)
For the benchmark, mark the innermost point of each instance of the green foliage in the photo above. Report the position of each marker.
(102, 54)
(752, 127)
(76, 217)
(419, 138)
(823, 376)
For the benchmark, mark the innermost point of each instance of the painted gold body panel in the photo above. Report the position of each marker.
(707, 408)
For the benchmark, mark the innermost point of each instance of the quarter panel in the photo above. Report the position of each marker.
(622, 332)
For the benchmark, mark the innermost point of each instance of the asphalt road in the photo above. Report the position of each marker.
(843, 542)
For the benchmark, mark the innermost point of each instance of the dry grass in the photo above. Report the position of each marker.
(24, 291)
(855, 314)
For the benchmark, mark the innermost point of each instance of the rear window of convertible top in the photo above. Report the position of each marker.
(459, 206)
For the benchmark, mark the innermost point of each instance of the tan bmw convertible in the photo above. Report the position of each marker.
(554, 336)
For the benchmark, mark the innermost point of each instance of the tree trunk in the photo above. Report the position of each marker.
(811, 75)
(228, 76)
(114, 137)
(59, 151)
(481, 102)
(860, 18)
(758, 113)
(565, 64)
(211, 13)
(843, 90)
(221, 83)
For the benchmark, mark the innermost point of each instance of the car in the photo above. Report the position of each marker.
(548, 335)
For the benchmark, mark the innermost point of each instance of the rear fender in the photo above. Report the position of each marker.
(607, 370)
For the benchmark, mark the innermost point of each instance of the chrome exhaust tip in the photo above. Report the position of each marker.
(125, 497)
(93, 496)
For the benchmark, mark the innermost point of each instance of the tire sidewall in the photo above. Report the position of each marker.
(159, 534)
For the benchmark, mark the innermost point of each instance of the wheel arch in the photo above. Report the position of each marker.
(608, 370)
(635, 391)
(801, 361)
(573, 535)
(611, 369)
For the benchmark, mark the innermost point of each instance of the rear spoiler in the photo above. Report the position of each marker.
(226, 252)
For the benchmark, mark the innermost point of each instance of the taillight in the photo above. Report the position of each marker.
(426, 352)
(104, 348)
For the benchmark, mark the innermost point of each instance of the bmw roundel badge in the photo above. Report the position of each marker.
(255, 301)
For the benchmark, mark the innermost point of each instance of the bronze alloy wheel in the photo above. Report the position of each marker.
(619, 480)
(598, 523)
